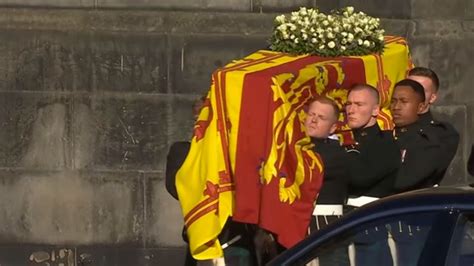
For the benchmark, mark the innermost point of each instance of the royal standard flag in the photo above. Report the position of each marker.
(250, 157)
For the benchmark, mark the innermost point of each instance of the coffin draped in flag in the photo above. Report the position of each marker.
(250, 157)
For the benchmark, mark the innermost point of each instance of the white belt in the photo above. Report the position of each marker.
(360, 201)
(327, 209)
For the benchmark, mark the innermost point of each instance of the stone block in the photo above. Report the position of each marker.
(64, 208)
(281, 5)
(195, 58)
(210, 23)
(457, 116)
(164, 217)
(34, 131)
(450, 59)
(440, 9)
(49, 3)
(83, 62)
(120, 133)
(396, 27)
(234, 5)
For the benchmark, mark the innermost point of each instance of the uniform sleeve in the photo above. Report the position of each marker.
(372, 164)
(420, 163)
(176, 156)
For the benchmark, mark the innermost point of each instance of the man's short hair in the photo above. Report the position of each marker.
(361, 86)
(326, 100)
(427, 73)
(414, 85)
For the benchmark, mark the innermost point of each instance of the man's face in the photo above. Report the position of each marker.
(362, 109)
(430, 91)
(405, 106)
(320, 120)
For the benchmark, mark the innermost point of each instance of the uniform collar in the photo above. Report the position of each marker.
(368, 131)
(426, 118)
(415, 127)
(319, 141)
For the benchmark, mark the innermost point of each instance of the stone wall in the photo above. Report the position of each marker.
(92, 98)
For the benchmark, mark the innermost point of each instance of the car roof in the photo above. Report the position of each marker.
(448, 198)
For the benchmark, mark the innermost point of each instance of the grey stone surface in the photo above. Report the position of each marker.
(83, 62)
(195, 58)
(454, 70)
(440, 9)
(135, 21)
(34, 131)
(120, 133)
(237, 5)
(49, 3)
(164, 218)
(71, 207)
(280, 5)
(456, 115)
(67, 255)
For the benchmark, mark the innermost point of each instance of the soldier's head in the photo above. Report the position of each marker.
(408, 101)
(321, 118)
(362, 107)
(430, 82)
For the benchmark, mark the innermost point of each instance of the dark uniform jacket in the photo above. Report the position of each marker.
(449, 140)
(176, 156)
(334, 157)
(422, 157)
(373, 162)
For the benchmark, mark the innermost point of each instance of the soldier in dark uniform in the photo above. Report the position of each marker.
(374, 161)
(420, 145)
(421, 156)
(375, 158)
(320, 123)
(446, 133)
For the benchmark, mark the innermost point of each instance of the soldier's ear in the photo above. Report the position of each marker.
(376, 110)
(333, 128)
(421, 107)
(433, 98)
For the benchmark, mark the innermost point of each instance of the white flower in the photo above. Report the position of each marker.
(311, 30)
(280, 19)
